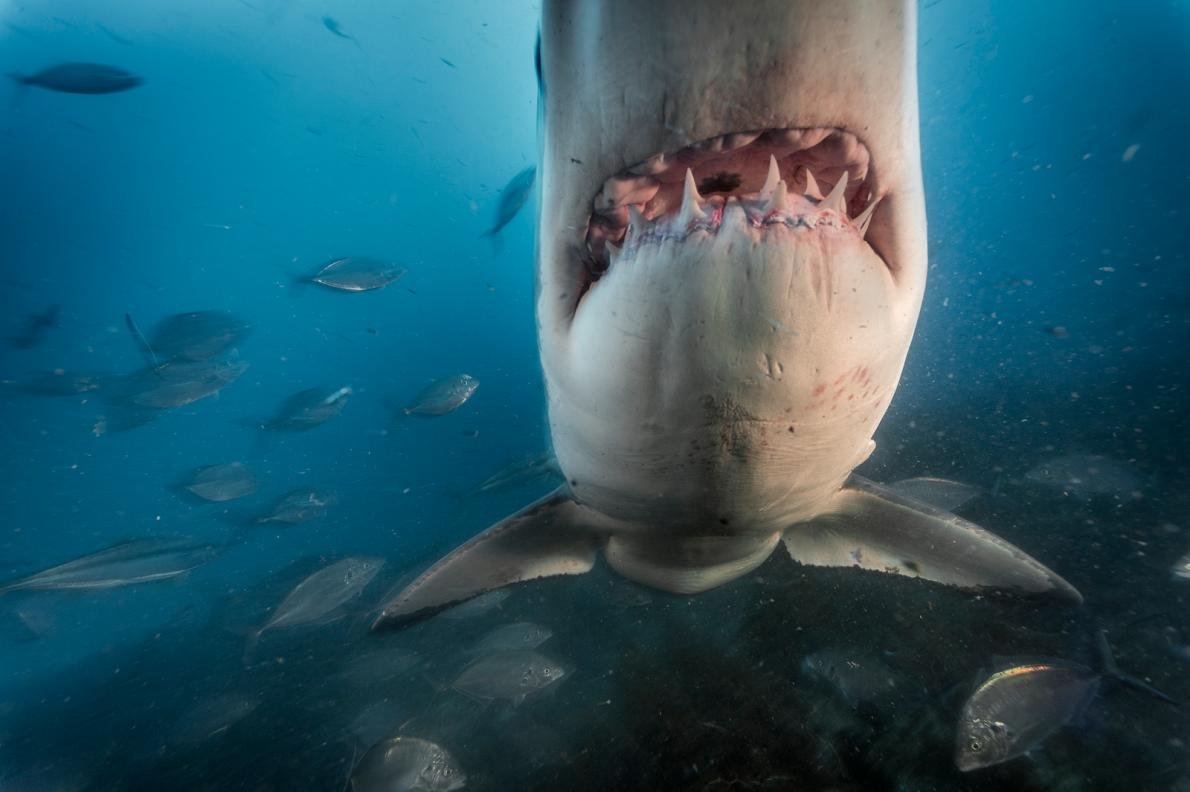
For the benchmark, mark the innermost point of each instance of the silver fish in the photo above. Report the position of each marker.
(377, 666)
(1088, 475)
(125, 564)
(81, 78)
(211, 717)
(320, 595)
(198, 335)
(221, 483)
(1013, 710)
(299, 506)
(357, 274)
(309, 408)
(444, 396)
(512, 198)
(511, 675)
(407, 764)
(520, 471)
(521, 635)
(172, 385)
(1181, 570)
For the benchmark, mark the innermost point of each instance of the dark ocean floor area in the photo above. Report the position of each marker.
(660, 692)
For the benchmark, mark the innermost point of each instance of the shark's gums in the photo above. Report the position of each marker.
(731, 259)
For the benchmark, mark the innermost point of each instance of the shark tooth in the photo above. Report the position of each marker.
(636, 221)
(613, 252)
(770, 181)
(691, 202)
(779, 201)
(862, 219)
(837, 200)
(812, 190)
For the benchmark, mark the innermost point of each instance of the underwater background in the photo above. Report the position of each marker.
(270, 137)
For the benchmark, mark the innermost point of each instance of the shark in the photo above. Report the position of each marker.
(731, 257)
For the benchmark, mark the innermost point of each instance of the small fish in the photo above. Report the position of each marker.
(1088, 476)
(1181, 570)
(1014, 710)
(511, 675)
(521, 635)
(512, 198)
(520, 471)
(198, 335)
(377, 666)
(81, 78)
(35, 327)
(1057, 331)
(211, 717)
(299, 506)
(125, 564)
(854, 676)
(477, 606)
(331, 24)
(220, 483)
(444, 396)
(309, 408)
(407, 764)
(448, 63)
(318, 598)
(357, 274)
(177, 384)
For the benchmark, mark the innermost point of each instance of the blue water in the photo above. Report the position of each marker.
(261, 145)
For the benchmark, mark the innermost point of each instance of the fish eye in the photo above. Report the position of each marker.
(973, 745)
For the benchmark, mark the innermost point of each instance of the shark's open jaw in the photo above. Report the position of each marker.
(805, 179)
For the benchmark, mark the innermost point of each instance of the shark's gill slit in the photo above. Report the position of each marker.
(815, 178)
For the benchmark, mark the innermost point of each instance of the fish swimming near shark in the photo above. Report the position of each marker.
(124, 564)
(512, 198)
(731, 257)
(81, 78)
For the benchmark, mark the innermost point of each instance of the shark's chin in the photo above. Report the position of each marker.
(730, 374)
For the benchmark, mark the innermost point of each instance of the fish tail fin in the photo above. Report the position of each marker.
(22, 82)
(1112, 670)
(250, 647)
(497, 241)
(141, 341)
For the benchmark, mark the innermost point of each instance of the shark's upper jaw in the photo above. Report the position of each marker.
(816, 180)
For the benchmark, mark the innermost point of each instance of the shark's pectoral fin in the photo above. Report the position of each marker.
(544, 539)
(872, 527)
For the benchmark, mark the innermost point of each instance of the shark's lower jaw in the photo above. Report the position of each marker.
(803, 179)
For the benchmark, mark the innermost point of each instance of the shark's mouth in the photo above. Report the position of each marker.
(815, 179)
